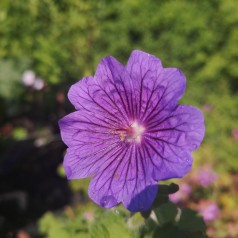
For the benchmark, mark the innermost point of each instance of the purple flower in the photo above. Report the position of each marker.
(129, 132)
(208, 210)
(28, 78)
(206, 177)
(235, 134)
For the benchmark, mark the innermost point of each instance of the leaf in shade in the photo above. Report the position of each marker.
(166, 213)
(168, 189)
(169, 231)
(191, 221)
(164, 190)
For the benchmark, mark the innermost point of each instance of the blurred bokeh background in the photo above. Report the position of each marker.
(47, 45)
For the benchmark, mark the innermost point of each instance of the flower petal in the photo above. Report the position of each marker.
(83, 127)
(142, 196)
(98, 94)
(115, 81)
(90, 141)
(157, 89)
(103, 187)
(171, 140)
(126, 178)
(76, 167)
(142, 64)
(79, 93)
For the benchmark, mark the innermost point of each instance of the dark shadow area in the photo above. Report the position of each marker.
(29, 183)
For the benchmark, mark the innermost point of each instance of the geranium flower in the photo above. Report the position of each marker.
(129, 132)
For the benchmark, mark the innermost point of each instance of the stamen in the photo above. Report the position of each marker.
(122, 136)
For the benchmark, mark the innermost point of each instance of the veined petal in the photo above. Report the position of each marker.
(103, 187)
(95, 97)
(141, 64)
(83, 127)
(116, 82)
(140, 189)
(143, 196)
(127, 178)
(174, 82)
(157, 88)
(183, 127)
(79, 93)
(173, 138)
(90, 142)
(77, 167)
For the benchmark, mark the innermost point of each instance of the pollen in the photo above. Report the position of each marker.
(122, 136)
(116, 175)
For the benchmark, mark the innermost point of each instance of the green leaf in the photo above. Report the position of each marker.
(169, 231)
(112, 224)
(99, 230)
(191, 221)
(162, 196)
(166, 213)
(19, 133)
(168, 189)
(136, 221)
(51, 227)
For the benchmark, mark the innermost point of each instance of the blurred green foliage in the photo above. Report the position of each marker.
(66, 38)
(119, 223)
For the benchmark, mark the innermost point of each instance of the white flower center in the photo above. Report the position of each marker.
(133, 134)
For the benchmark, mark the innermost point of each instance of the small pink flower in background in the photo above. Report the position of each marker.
(207, 107)
(89, 215)
(28, 78)
(208, 210)
(235, 134)
(183, 193)
(206, 176)
(38, 84)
